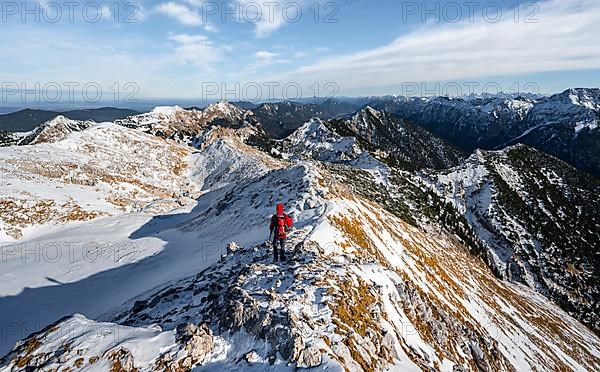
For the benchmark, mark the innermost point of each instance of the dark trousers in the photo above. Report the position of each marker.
(281, 243)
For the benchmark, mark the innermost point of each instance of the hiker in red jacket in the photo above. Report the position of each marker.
(280, 224)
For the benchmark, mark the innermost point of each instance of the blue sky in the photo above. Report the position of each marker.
(244, 49)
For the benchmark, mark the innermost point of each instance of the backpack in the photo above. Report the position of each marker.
(280, 227)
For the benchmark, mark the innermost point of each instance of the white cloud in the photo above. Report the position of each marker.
(265, 58)
(196, 50)
(565, 38)
(181, 13)
(268, 16)
(103, 61)
(106, 12)
(184, 15)
(209, 27)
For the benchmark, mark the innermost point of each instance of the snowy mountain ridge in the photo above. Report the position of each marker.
(381, 275)
(524, 205)
(185, 125)
(103, 170)
(315, 141)
(564, 125)
(54, 130)
(371, 298)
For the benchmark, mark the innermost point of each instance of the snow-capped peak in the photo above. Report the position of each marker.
(315, 141)
(225, 110)
(54, 130)
(587, 98)
(372, 111)
(167, 110)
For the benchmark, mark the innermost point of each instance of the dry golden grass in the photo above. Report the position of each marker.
(447, 276)
(20, 213)
(28, 349)
(353, 230)
(78, 363)
(119, 175)
(353, 311)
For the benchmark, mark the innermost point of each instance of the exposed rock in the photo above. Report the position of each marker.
(122, 360)
(252, 357)
(309, 358)
(232, 247)
(198, 343)
(139, 306)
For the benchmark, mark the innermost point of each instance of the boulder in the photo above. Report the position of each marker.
(232, 247)
(252, 357)
(198, 343)
(122, 360)
(310, 357)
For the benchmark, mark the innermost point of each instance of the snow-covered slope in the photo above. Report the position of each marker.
(538, 219)
(363, 290)
(54, 130)
(318, 140)
(315, 141)
(104, 170)
(184, 125)
(380, 276)
(96, 219)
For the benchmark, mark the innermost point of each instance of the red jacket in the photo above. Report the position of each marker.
(287, 223)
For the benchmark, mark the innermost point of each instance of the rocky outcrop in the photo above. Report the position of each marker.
(121, 360)
(195, 345)
(233, 300)
(185, 126)
(309, 358)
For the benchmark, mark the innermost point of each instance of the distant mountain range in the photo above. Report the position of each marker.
(281, 119)
(28, 119)
(565, 125)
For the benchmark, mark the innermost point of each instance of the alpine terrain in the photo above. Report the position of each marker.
(141, 244)
(564, 125)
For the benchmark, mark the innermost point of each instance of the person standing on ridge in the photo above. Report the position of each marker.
(280, 224)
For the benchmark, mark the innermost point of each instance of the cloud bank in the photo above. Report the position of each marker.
(565, 37)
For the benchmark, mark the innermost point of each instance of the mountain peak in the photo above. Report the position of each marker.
(58, 120)
(224, 108)
(372, 111)
(54, 130)
(167, 110)
(584, 97)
